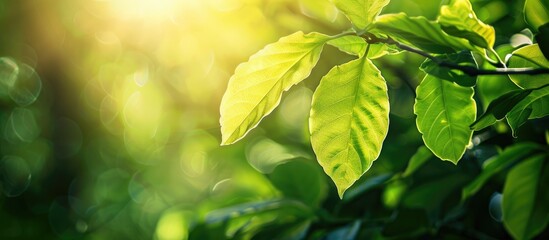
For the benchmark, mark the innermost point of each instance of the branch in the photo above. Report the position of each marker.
(471, 71)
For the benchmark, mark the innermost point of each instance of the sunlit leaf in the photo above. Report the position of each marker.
(357, 46)
(419, 158)
(361, 12)
(533, 106)
(463, 58)
(349, 120)
(499, 108)
(421, 33)
(458, 19)
(257, 85)
(529, 57)
(536, 13)
(525, 198)
(444, 112)
(509, 157)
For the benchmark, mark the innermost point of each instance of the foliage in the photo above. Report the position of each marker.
(349, 119)
(369, 119)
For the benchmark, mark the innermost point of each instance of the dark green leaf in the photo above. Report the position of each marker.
(463, 58)
(536, 13)
(301, 180)
(499, 108)
(543, 39)
(533, 106)
(525, 198)
(422, 155)
(509, 157)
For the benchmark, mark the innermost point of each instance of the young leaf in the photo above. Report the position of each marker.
(536, 13)
(444, 112)
(458, 19)
(529, 57)
(462, 58)
(356, 45)
(525, 198)
(509, 157)
(533, 106)
(499, 108)
(361, 12)
(422, 33)
(257, 85)
(349, 120)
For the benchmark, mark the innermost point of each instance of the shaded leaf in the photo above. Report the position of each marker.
(543, 39)
(257, 85)
(533, 106)
(499, 108)
(458, 19)
(349, 120)
(509, 157)
(348, 232)
(525, 198)
(536, 13)
(444, 112)
(463, 58)
(356, 45)
(529, 57)
(300, 180)
(361, 12)
(422, 33)
(419, 158)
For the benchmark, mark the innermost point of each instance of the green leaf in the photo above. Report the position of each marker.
(422, 33)
(444, 112)
(525, 198)
(543, 39)
(349, 120)
(458, 19)
(509, 157)
(300, 180)
(419, 158)
(533, 106)
(356, 45)
(361, 12)
(499, 108)
(536, 13)
(257, 85)
(529, 57)
(464, 58)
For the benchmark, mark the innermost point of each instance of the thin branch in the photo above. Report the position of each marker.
(469, 70)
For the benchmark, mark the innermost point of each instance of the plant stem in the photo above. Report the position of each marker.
(471, 71)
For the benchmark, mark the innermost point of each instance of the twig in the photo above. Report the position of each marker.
(469, 70)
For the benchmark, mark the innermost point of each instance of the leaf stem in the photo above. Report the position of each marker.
(469, 70)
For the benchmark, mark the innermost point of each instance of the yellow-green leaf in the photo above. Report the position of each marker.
(536, 13)
(421, 33)
(529, 57)
(256, 87)
(361, 12)
(458, 19)
(444, 112)
(349, 120)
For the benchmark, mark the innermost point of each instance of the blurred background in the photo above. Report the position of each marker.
(109, 112)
